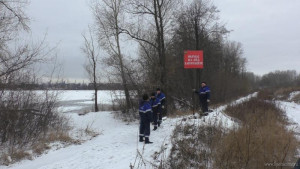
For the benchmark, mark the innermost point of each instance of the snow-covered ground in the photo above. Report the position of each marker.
(115, 148)
(117, 145)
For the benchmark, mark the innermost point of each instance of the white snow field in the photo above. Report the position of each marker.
(117, 145)
(104, 96)
(79, 100)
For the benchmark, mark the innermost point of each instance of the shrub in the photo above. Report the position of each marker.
(277, 93)
(256, 145)
(193, 145)
(29, 118)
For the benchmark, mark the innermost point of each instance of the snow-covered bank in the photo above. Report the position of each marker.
(292, 110)
(293, 94)
(117, 145)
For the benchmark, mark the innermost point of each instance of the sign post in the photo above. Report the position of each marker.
(193, 59)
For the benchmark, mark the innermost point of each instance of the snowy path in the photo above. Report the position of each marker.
(116, 147)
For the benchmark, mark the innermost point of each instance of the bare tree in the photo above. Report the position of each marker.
(109, 17)
(92, 56)
(25, 115)
(12, 21)
(158, 15)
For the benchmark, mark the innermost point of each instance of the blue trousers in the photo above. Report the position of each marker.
(144, 127)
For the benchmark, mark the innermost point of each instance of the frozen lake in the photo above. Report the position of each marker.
(79, 101)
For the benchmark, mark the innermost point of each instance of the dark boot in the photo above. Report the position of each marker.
(155, 128)
(147, 141)
(141, 139)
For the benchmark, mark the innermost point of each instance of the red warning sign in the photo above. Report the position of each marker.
(193, 59)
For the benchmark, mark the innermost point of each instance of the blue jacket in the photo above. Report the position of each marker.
(155, 104)
(145, 111)
(161, 98)
(204, 93)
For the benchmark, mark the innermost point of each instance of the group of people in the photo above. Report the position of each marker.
(151, 110)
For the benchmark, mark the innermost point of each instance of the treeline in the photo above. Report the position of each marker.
(275, 79)
(63, 86)
(280, 79)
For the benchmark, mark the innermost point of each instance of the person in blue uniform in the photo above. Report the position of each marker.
(155, 104)
(162, 99)
(145, 112)
(204, 96)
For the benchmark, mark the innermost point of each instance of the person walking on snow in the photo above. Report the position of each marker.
(155, 104)
(204, 95)
(162, 99)
(145, 112)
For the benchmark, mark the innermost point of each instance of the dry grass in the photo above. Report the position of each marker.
(261, 140)
(193, 146)
(266, 94)
(90, 132)
(20, 154)
(258, 108)
(38, 147)
(14, 156)
(55, 136)
(58, 136)
(283, 93)
(5, 159)
(277, 94)
(255, 145)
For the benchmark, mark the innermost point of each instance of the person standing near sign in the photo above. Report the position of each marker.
(162, 99)
(204, 96)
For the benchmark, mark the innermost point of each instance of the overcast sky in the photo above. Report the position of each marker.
(269, 31)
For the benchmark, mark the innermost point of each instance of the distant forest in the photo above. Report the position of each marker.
(63, 86)
(275, 79)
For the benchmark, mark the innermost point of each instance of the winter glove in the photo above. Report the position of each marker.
(208, 100)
